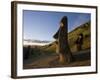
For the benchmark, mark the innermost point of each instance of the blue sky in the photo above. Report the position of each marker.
(42, 25)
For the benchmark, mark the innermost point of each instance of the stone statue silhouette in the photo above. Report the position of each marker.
(61, 36)
(79, 42)
(27, 53)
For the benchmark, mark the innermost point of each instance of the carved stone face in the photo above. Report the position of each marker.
(61, 24)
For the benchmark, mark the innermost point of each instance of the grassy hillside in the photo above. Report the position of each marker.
(45, 56)
(72, 36)
(86, 31)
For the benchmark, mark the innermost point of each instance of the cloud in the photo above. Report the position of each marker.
(36, 42)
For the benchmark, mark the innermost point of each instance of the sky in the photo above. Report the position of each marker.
(42, 25)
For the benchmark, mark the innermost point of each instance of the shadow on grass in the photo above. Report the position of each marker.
(83, 55)
(81, 58)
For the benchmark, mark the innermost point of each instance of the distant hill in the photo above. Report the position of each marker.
(72, 36)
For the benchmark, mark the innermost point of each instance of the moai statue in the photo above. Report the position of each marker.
(61, 36)
(79, 42)
(28, 52)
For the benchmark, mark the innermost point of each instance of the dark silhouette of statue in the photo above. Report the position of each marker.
(79, 42)
(61, 36)
(28, 52)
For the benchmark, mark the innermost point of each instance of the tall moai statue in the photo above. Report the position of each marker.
(61, 36)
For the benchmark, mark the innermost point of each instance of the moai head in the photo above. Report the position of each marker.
(64, 22)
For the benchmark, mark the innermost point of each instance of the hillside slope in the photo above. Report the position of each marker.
(72, 36)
